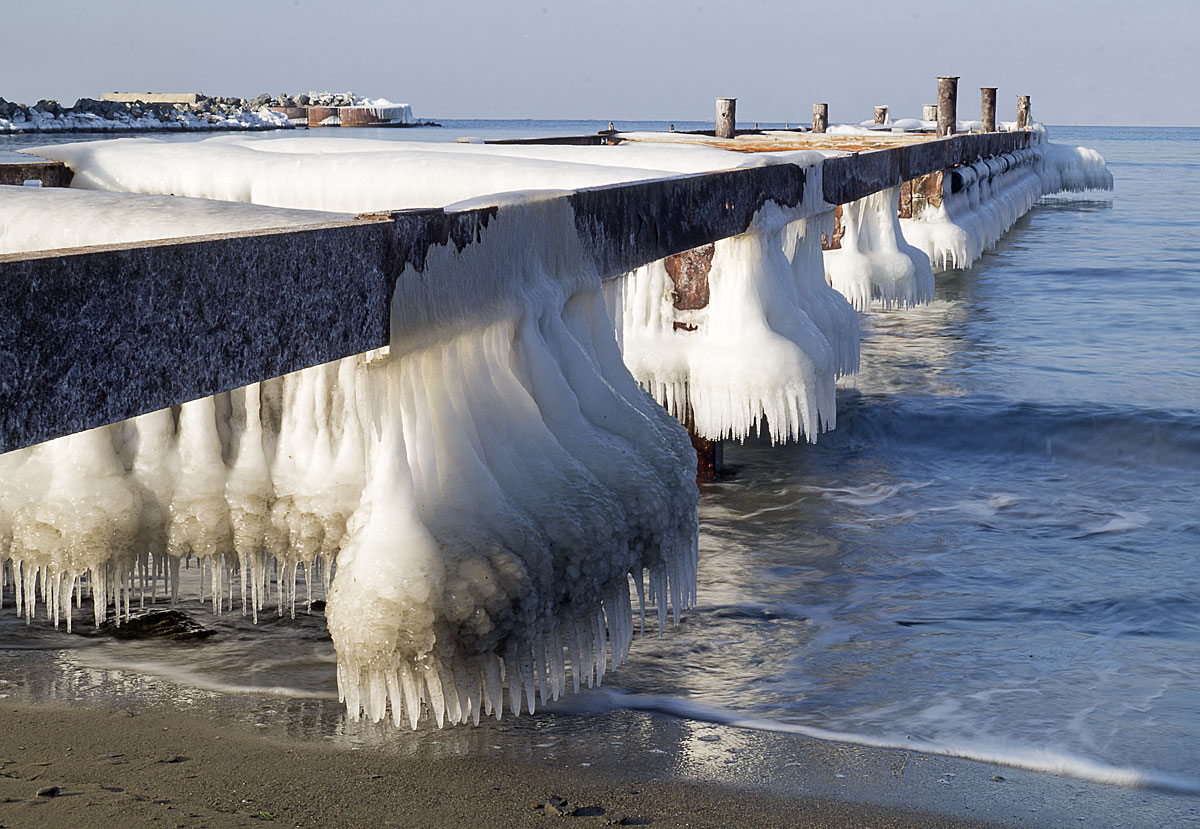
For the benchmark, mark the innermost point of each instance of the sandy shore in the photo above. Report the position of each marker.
(129, 768)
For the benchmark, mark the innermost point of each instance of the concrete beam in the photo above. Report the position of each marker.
(852, 177)
(96, 335)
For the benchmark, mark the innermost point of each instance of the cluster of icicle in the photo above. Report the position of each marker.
(986, 198)
(257, 485)
(527, 482)
(769, 346)
(874, 261)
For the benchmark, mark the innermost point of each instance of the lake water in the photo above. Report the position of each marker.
(996, 554)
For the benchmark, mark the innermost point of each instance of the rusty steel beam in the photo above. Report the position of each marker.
(689, 273)
(833, 239)
(317, 116)
(905, 208)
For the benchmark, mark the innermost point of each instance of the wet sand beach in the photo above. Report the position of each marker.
(138, 767)
(153, 769)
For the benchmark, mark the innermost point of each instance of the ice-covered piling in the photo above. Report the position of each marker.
(1023, 112)
(873, 260)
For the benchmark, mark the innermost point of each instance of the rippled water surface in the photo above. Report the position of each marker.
(998, 549)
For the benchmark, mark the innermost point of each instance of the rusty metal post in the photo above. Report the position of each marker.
(987, 108)
(947, 105)
(709, 458)
(709, 455)
(820, 117)
(726, 122)
(929, 113)
(1023, 117)
(881, 113)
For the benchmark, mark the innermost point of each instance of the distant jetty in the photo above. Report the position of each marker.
(196, 112)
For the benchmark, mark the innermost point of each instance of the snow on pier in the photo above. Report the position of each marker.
(422, 370)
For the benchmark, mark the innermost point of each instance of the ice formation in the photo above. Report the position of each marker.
(491, 486)
(766, 347)
(753, 353)
(488, 490)
(532, 480)
(45, 218)
(984, 199)
(874, 260)
(317, 178)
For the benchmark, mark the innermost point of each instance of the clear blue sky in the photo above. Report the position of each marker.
(1097, 62)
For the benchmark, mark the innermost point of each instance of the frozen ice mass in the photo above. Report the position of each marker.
(484, 498)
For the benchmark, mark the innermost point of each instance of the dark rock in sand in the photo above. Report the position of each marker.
(156, 624)
(556, 805)
(171, 758)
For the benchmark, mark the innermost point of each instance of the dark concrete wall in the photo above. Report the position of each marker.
(49, 173)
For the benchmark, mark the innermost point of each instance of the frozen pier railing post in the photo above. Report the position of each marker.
(1023, 114)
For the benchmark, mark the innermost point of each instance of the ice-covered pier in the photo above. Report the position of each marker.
(108, 332)
(455, 373)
